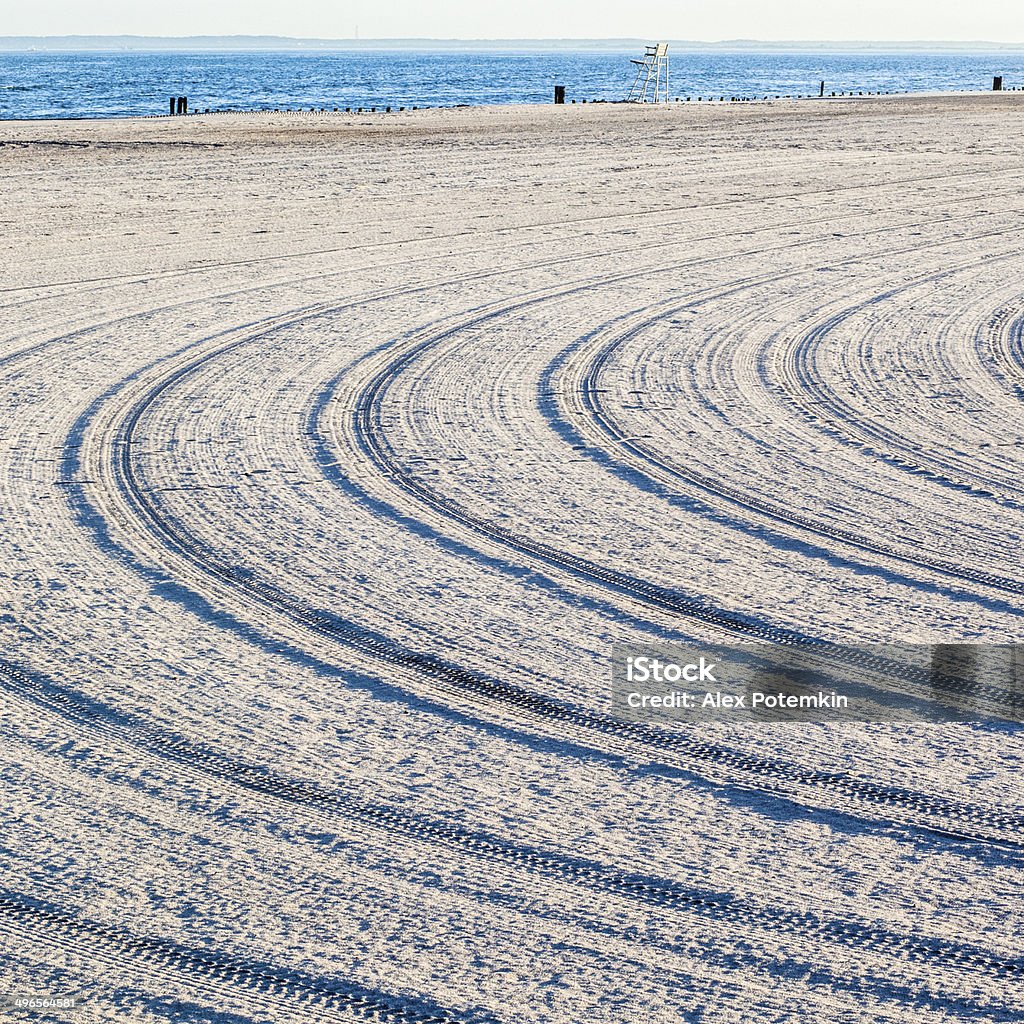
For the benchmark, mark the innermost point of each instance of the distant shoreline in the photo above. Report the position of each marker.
(250, 44)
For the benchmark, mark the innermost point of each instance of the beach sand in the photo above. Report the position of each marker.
(337, 453)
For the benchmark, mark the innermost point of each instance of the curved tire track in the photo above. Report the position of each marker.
(677, 749)
(646, 890)
(261, 980)
(585, 379)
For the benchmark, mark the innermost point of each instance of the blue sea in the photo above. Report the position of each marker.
(115, 84)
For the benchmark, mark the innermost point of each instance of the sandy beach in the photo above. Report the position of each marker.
(338, 452)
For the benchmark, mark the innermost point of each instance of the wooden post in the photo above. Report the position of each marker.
(184, 104)
(997, 83)
(559, 93)
(173, 102)
(822, 92)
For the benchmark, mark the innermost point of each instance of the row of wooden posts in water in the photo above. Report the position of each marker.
(997, 86)
(179, 104)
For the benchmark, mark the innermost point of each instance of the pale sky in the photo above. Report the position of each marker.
(999, 21)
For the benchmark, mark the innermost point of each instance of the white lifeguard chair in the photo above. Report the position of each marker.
(652, 68)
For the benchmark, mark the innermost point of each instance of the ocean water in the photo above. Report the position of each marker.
(51, 84)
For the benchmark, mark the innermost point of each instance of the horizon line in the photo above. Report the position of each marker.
(605, 40)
